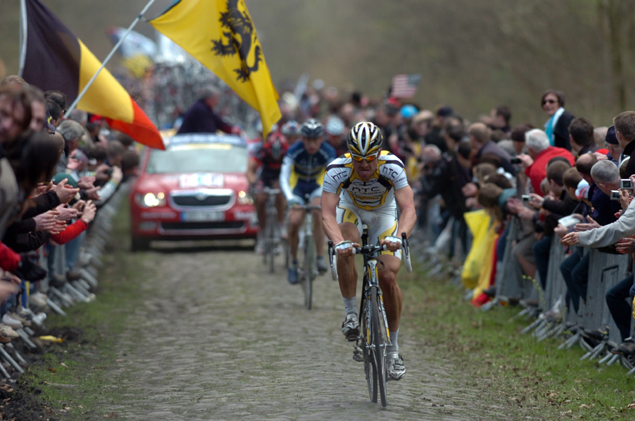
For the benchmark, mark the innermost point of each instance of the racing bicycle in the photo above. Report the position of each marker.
(308, 271)
(271, 236)
(374, 335)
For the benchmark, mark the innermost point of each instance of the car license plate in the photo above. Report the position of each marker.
(202, 216)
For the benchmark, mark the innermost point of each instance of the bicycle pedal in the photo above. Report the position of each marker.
(357, 354)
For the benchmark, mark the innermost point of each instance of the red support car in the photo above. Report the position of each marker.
(195, 189)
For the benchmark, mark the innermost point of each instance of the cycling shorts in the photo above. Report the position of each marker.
(268, 178)
(304, 187)
(382, 222)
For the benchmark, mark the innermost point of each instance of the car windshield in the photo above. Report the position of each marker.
(216, 158)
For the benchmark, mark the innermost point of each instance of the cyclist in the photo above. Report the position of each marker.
(302, 173)
(264, 171)
(291, 129)
(365, 186)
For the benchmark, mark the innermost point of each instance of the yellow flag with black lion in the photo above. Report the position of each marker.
(222, 36)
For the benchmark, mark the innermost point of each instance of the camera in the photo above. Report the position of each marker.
(615, 195)
(626, 184)
(526, 198)
(515, 161)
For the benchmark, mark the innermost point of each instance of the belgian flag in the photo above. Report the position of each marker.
(53, 58)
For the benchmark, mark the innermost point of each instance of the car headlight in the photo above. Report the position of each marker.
(150, 200)
(245, 198)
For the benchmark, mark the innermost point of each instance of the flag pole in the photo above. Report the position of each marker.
(23, 35)
(123, 37)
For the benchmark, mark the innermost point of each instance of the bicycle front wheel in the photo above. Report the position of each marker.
(370, 370)
(309, 256)
(379, 344)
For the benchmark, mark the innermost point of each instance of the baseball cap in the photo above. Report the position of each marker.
(582, 191)
(408, 111)
(611, 137)
(445, 111)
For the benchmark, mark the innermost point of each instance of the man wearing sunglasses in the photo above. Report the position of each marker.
(301, 174)
(365, 186)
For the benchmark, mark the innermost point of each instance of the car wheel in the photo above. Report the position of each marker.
(139, 244)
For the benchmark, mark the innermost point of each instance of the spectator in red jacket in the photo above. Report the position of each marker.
(539, 153)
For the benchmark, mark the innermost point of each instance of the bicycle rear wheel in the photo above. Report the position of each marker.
(309, 257)
(379, 344)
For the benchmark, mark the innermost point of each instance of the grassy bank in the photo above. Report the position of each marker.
(71, 378)
(535, 378)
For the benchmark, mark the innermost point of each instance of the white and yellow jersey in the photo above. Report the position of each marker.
(375, 193)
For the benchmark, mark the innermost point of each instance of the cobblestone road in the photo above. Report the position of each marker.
(218, 338)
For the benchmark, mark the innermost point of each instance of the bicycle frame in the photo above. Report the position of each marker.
(271, 240)
(374, 336)
(308, 270)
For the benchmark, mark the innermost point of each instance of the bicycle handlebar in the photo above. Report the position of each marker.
(306, 207)
(371, 249)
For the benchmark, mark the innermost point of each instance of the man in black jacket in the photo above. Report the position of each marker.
(201, 118)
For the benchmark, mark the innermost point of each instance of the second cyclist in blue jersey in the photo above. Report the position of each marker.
(302, 175)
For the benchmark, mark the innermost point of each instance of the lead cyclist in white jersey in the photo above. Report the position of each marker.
(365, 186)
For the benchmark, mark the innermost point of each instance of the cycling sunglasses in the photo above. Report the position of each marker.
(368, 158)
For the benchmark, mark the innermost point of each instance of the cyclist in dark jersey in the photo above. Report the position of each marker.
(302, 174)
(264, 171)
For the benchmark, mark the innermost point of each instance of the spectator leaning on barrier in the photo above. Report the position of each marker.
(539, 153)
(606, 177)
(559, 205)
(620, 233)
(575, 268)
(557, 127)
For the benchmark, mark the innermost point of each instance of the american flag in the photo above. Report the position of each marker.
(404, 86)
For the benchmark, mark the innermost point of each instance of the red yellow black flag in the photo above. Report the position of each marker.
(53, 58)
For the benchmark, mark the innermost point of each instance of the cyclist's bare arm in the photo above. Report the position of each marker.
(329, 220)
(252, 169)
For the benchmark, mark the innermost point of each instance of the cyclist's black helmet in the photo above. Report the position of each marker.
(312, 129)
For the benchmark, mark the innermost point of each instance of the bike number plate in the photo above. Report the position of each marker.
(202, 216)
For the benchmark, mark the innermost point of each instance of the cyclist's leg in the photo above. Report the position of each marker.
(281, 203)
(390, 289)
(260, 202)
(296, 216)
(350, 226)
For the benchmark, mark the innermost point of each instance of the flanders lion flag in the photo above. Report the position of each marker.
(221, 35)
(53, 58)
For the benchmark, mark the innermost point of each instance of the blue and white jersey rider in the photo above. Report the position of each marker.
(303, 173)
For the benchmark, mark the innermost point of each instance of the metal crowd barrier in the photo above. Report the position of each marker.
(73, 291)
(510, 282)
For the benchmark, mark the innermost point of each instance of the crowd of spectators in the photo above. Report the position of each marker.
(56, 171)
